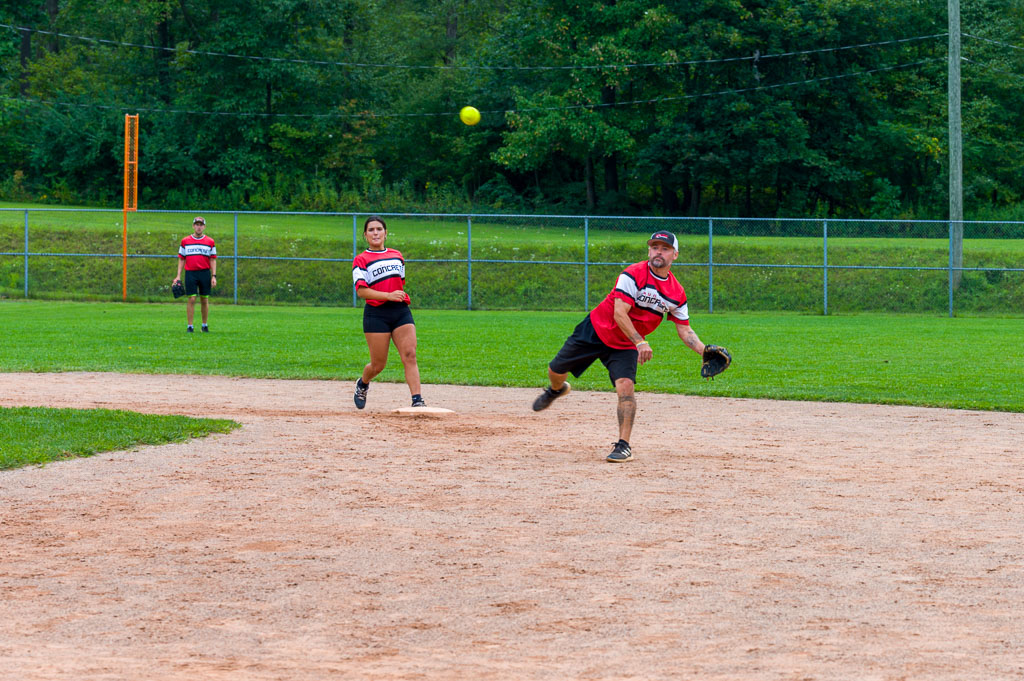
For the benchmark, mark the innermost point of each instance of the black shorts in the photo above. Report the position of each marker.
(584, 346)
(198, 281)
(386, 318)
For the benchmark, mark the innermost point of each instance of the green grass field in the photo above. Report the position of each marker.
(39, 435)
(867, 358)
(885, 359)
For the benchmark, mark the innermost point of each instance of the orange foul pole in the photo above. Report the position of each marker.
(131, 188)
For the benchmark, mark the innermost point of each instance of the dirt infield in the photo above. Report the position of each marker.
(797, 541)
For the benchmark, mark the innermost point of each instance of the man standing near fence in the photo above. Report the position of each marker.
(615, 331)
(198, 256)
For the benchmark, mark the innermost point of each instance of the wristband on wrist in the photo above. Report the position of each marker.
(643, 342)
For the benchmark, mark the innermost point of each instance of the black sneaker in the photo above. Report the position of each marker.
(418, 402)
(545, 399)
(360, 396)
(189, 329)
(621, 452)
(206, 329)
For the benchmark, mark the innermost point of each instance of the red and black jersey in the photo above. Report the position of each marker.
(380, 270)
(651, 297)
(197, 253)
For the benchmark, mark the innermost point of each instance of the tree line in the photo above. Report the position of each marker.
(697, 107)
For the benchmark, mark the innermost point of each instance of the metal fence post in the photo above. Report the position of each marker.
(825, 269)
(586, 263)
(711, 266)
(236, 259)
(355, 245)
(26, 252)
(469, 263)
(950, 268)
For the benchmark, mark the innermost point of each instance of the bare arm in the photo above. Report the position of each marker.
(689, 336)
(177, 277)
(621, 315)
(367, 293)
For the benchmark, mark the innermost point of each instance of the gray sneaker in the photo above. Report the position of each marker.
(620, 453)
(360, 396)
(545, 399)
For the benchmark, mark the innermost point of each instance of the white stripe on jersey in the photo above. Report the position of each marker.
(682, 312)
(382, 269)
(197, 249)
(627, 285)
(650, 298)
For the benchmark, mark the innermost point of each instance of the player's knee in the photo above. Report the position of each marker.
(409, 356)
(555, 376)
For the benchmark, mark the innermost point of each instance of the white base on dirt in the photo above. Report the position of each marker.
(422, 411)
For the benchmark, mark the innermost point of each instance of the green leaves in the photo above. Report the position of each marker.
(715, 107)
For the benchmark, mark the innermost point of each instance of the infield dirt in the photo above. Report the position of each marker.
(748, 540)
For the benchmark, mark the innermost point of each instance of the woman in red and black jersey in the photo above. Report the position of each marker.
(379, 277)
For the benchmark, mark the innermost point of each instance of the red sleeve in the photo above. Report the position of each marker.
(622, 295)
(359, 263)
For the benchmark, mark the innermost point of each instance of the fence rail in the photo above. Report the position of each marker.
(499, 261)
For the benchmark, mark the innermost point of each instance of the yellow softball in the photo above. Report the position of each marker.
(469, 115)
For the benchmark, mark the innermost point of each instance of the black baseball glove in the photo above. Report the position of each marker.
(178, 289)
(715, 360)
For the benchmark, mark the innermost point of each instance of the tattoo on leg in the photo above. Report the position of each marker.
(626, 411)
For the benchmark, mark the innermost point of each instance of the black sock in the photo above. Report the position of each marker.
(623, 442)
(359, 382)
(417, 396)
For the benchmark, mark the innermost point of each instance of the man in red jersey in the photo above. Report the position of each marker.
(615, 332)
(198, 256)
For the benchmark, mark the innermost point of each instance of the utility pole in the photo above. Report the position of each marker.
(956, 162)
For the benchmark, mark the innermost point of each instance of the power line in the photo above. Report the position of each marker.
(319, 62)
(994, 42)
(800, 82)
(989, 67)
(656, 100)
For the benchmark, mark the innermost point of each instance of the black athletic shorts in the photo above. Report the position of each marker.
(198, 281)
(387, 317)
(584, 346)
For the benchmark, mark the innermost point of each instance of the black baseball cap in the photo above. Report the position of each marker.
(200, 220)
(666, 238)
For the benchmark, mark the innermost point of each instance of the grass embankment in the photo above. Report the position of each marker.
(789, 276)
(38, 435)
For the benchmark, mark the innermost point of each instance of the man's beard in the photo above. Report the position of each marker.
(658, 261)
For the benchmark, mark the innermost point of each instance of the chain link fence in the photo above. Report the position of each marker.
(527, 262)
